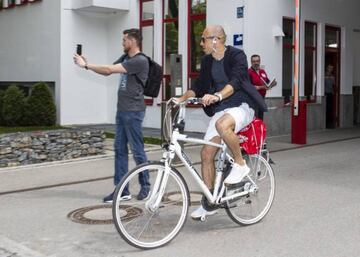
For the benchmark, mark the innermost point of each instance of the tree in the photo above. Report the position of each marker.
(13, 106)
(41, 106)
(2, 93)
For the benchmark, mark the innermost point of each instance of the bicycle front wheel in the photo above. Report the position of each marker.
(156, 220)
(251, 208)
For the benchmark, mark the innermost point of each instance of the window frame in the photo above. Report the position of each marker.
(192, 17)
(314, 50)
(145, 23)
(292, 47)
(166, 77)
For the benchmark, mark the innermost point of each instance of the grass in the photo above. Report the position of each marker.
(147, 140)
(5, 130)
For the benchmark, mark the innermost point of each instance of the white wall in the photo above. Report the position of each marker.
(342, 14)
(30, 43)
(86, 96)
(262, 16)
(83, 93)
(36, 36)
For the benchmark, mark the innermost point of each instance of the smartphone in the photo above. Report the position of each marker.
(79, 49)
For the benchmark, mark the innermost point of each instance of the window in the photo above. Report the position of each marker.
(288, 58)
(147, 32)
(197, 23)
(310, 61)
(170, 39)
(332, 38)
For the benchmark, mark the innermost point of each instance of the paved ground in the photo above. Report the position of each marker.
(315, 213)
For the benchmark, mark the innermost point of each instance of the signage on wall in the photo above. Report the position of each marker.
(238, 40)
(240, 12)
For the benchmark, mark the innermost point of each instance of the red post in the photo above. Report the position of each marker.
(298, 125)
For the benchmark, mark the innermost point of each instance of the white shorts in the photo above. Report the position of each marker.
(242, 115)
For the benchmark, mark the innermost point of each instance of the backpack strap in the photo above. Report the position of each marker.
(136, 76)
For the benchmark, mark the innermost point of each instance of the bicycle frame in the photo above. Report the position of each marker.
(176, 148)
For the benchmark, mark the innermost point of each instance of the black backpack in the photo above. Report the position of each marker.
(155, 75)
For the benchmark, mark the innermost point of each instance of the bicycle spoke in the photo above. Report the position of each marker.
(253, 207)
(151, 228)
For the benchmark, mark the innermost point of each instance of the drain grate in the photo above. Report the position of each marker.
(79, 215)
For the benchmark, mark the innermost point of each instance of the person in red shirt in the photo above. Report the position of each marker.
(259, 79)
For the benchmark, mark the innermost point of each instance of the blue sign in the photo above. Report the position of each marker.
(240, 12)
(238, 39)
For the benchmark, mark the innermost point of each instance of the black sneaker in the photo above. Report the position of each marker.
(109, 198)
(125, 197)
(143, 194)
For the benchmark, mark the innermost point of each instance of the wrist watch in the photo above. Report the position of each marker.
(218, 94)
(86, 67)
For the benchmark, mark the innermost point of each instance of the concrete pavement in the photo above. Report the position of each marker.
(316, 205)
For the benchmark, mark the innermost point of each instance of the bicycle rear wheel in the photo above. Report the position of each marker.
(146, 224)
(250, 209)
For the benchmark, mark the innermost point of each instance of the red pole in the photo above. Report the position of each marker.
(298, 119)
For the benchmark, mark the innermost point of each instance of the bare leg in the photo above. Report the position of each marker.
(225, 127)
(207, 162)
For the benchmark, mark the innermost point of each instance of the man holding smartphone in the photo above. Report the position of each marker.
(130, 108)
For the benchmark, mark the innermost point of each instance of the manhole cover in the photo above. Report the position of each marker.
(102, 214)
(195, 197)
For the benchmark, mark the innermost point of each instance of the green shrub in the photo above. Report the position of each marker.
(41, 109)
(2, 93)
(13, 106)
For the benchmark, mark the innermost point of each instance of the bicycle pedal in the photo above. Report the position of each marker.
(202, 218)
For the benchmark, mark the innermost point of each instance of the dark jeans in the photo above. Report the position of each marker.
(129, 131)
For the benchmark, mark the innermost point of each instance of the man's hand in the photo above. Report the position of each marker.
(261, 87)
(273, 84)
(209, 99)
(177, 100)
(80, 60)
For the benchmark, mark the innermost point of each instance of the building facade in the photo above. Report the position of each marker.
(39, 38)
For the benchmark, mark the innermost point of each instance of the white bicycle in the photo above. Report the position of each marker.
(155, 221)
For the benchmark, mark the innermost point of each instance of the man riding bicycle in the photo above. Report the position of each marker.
(230, 99)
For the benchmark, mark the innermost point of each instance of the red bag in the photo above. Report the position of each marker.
(252, 137)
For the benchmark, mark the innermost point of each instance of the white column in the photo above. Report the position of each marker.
(320, 59)
(183, 40)
(158, 44)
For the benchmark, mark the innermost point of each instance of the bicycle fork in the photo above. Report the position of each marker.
(153, 203)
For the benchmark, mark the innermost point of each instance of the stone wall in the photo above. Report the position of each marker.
(46, 146)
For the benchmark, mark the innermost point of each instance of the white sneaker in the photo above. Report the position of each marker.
(201, 213)
(237, 173)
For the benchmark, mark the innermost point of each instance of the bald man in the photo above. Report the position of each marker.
(224, 85)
